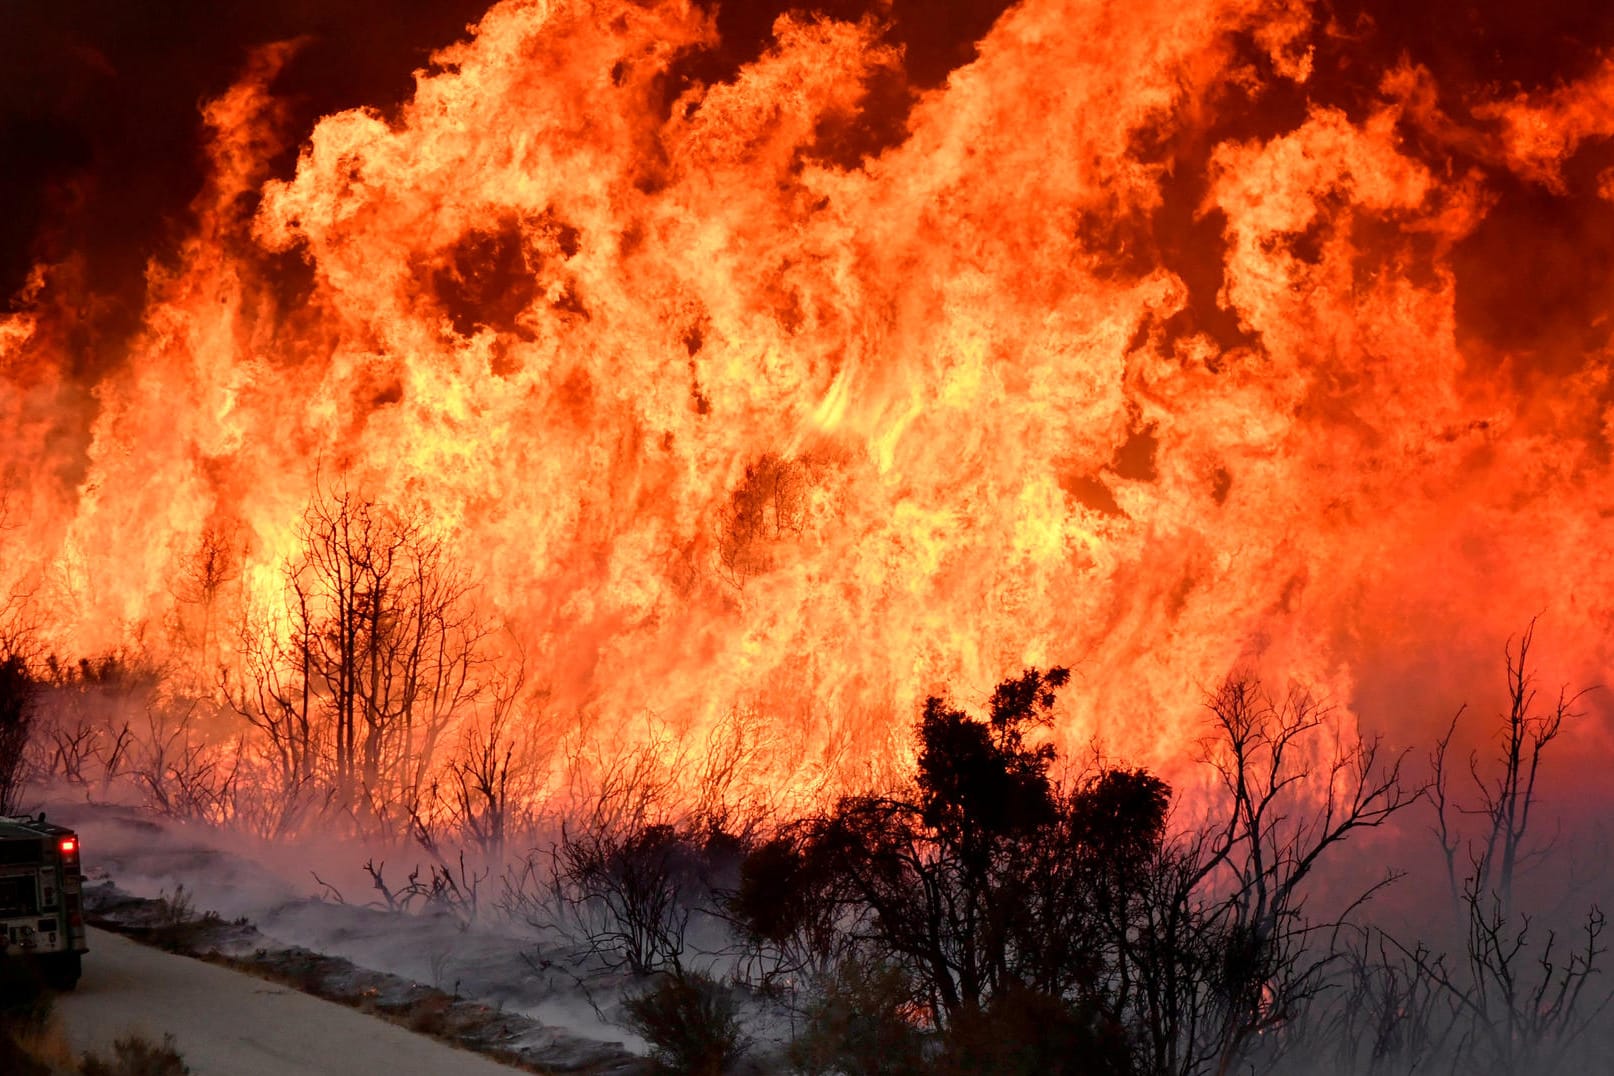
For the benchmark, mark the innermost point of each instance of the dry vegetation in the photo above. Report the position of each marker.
(32, 1043)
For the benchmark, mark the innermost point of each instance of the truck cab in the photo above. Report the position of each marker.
(41, 900)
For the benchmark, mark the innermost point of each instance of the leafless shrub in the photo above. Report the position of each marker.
(17, 628)
(633, 863)
(200, 585)
(1295, 788)
(443, 890)
(496, 773)
(183, 772)
(69, 751)
(176, 926)
(176, 908)
(1521, 995)
(90, 712)
(265, 808)
(1389, 1014)
(786, 914)
(375, 653)
(634, 891)
(860, 1022)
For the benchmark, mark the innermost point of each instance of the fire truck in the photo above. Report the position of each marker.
(41, 901)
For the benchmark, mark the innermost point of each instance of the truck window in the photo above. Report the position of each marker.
(18, 896)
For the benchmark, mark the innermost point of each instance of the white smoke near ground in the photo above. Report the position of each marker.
(274, 887)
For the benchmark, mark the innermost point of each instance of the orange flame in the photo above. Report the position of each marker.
(719, 420)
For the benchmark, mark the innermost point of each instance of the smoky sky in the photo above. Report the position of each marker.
(100, 130)
(1535, 277)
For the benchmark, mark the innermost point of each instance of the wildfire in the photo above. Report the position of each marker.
(719, 415)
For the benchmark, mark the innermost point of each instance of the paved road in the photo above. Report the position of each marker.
(230, 1024)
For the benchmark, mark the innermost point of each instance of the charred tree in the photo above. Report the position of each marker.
(376, 653)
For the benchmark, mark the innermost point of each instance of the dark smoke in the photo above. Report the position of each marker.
(1535, 275)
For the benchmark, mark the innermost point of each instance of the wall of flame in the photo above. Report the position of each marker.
(1131, 350)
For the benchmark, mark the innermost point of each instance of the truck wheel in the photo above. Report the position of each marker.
(61, 971)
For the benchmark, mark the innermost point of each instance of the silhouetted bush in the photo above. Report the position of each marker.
(786, 905)
(691, 1023)
(988, 877)
(863, 1021)
(19, 693)
(133, 1055)
(1029, 1033)
(1001, 921)
(635, 886)
(638, 882)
